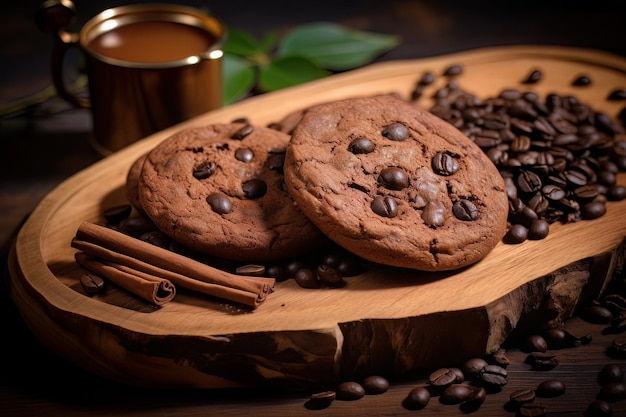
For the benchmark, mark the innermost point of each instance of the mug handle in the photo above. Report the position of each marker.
(51, 17)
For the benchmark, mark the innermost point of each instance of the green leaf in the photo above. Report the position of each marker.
(240, 43)
(335, 47)
(268, 42)
(288, 71)
(239, 78)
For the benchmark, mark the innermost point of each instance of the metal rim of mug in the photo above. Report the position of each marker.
(156, 12)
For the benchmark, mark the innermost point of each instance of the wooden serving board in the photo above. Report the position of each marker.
(385, 321)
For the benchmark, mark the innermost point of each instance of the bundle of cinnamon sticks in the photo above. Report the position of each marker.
(153, 273)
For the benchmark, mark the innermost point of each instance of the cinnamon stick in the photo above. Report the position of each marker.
(181, 270)
(153, 289)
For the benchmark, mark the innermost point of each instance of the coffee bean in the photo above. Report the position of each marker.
(597, 314)
(385, 206)
(393, 178)
(350, 391)
(598, 408)
(471, 368)
(617, 94)
(321, 400)
(375, 384)
(204, 170)
(278, 272)
(541, 361)
(136, 225)
(455, 394)
(219, 203)
(329, 275)
(442, 377)
(532, 409)
(581, 80)
(617, 193)
(539, 229)
(254, 188)
(465, 210)
(156, 238)
(444, 164)
(474, 400)
(550, 388)
(242, 132)
(610, 372)
(533, 77)
(493, 377)
(516, 234)
(307, 278)
(361, 145)
(522, 396)
(116, 214)
(92, 284)
(617, 348)
(453, 70)
(417, 398)
(427, 78)
(396, 131)
(534, 343)
(593, 210)
(251, 270)
(612, 392)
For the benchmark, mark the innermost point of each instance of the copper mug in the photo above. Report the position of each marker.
(149, 66)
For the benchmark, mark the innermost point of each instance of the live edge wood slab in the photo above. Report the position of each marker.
(387, 320)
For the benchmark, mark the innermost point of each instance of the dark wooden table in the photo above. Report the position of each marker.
(42, 146)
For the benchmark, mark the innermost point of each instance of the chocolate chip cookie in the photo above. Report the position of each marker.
(396, 185)
(219, 190)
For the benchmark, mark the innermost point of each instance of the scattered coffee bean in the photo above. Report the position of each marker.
(596, 314)
(350, 391)
(417, 398)
(581, 80)
(455, 394)
(474, 400)
(532, 409)
(533, 77)
(517, 233)
(611, 372)
(493, 377)
(471, 368)
(442, 377)
(617, 94)
(550, 388)
(617, 348)
(307, 278)
(329, 275)
(453, 70)
(375, 384)
(156, 238)
(598, 408)
(116, 214)
(204, 170)
(539, 229)
(521, 396)
(534, 343)
(251, 270)
(612, 392)
(321, 400)
(541, 361)
(92, 284)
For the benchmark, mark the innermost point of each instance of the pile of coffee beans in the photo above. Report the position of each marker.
(558, 156)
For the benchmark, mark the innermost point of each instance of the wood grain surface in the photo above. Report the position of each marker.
(386, 320)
